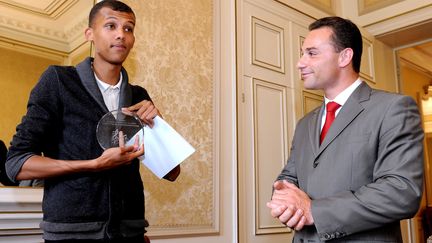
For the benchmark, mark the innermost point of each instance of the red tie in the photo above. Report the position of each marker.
(331, 110)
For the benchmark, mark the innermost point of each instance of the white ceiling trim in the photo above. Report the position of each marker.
(52, 9)
(60, 40)
(400, 21)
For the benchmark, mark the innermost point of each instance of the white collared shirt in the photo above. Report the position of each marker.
(110, 93)
(341, 99)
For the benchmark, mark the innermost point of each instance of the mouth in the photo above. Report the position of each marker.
(118, 46)
(305, 74)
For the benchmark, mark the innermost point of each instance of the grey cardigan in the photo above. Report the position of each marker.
(62, 114)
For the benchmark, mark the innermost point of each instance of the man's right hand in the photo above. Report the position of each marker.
(120, 155)
(114, 157)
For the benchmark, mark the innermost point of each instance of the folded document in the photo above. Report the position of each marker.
(164, 147)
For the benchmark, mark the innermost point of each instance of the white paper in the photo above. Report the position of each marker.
(164, 147)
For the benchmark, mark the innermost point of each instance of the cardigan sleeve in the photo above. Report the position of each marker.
(38, 127)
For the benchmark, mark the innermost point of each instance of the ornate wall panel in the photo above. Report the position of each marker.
(311, 101)
(271, 148)
(267, 45)
(367, 70)
(173, 60)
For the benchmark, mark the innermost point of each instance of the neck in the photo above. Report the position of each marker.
(108, 73)
(340, 86)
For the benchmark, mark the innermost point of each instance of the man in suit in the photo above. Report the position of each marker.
(90, 194)
(355, 179)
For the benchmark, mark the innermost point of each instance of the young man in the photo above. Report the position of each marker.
(89, 194)
(352, 179)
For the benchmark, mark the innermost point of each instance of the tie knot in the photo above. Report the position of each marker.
(332, 106)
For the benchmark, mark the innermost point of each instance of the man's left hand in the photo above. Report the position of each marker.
(146, 111)
(290, 205)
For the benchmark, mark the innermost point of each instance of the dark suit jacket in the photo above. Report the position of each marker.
(366, 175)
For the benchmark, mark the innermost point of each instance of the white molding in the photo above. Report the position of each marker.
(34, 50)
(65, 40)
(400, 21)
(20, 195)
(304, 8)
(52, 9)
(20, 212)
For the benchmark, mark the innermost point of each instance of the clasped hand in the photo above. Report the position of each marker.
(290, 205)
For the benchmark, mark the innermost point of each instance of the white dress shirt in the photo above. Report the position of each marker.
(110, 93)
(341, 98)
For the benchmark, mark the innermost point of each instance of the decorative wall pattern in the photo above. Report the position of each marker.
(173, 60)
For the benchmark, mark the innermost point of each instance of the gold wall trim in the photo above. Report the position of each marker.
(31, 49)
(367, 6)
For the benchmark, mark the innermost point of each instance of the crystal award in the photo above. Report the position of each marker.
(119, 127)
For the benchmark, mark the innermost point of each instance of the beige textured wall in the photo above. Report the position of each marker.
(173, 60)
(19, 73)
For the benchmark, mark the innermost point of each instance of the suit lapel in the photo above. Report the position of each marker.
(86, 75)
(349, 111)
(315, 129)
(125, 99)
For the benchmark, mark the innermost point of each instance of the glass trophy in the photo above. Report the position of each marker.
(119, 127)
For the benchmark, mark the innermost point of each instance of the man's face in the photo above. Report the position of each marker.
(112, 35)
(319, 66)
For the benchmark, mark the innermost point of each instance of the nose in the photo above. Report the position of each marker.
(120, 35)
(301, 64)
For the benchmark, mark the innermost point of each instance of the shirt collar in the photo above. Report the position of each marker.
(343, 96)
(104, 86)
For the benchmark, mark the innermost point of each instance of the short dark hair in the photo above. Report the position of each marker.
(112, 4)
(345, 35)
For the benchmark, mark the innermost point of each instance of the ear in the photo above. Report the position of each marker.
(88, 34)
(345, 57)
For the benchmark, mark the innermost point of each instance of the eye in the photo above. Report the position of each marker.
(129, 29)
(311, 53)
(110, 26)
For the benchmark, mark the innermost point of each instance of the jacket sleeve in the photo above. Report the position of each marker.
(289, 172)
(37, 130)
